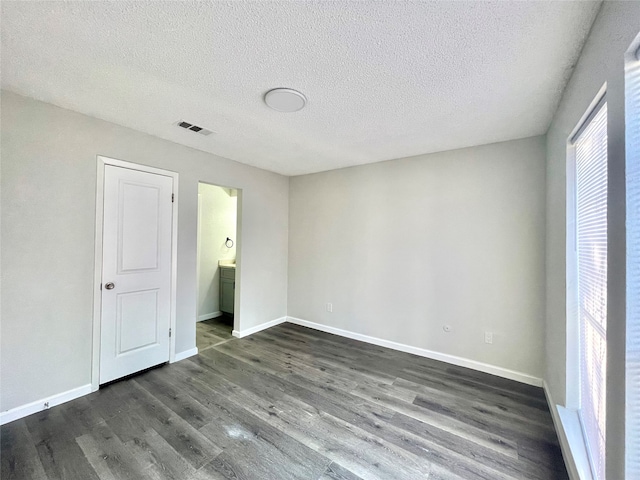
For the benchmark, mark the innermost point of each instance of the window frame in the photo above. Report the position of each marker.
(632, 174)
(573, 376)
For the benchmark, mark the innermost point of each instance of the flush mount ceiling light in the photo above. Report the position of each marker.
(285, 100)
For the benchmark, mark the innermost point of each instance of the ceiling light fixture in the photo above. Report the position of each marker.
(285, 100)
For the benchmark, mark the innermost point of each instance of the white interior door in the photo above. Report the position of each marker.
(136, 272)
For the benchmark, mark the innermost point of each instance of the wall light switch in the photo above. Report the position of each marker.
(488, 337)
(329, 307)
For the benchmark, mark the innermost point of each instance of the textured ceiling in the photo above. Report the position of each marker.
(383, 80)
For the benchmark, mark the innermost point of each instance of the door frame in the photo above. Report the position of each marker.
(238, 243)
(102, 162)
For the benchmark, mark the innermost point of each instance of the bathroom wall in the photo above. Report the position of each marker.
(217, 214)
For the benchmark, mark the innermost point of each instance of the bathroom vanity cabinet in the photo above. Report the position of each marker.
(227, 288)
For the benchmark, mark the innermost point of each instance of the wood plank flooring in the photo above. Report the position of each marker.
(213, 332)
(292, 403)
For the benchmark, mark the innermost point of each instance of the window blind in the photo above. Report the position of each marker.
(591, 223)
(632, 112)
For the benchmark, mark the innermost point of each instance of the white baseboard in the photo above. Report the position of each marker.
(209, 316)
(569, 430)
(39, 405)
(443, 357)
(185, 354)
(53, 400)
(257, 328)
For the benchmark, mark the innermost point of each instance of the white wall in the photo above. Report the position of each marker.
(217, 216)
(601, 61)
(48, 223)
(403, 247)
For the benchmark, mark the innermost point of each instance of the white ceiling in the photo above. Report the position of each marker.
(383, 80)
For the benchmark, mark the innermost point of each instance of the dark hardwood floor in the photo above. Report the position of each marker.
(293, 403)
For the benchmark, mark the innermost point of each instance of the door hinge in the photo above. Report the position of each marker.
(100, 286)
(169, 333)
(172, 197)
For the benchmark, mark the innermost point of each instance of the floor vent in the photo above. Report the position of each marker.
(193, 128)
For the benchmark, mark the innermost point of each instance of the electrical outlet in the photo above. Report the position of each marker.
(447, 328)
(488, 337)
(329, 307)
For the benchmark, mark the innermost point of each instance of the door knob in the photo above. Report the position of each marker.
(109, 286)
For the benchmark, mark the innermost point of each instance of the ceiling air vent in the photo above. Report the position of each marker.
(193, 128)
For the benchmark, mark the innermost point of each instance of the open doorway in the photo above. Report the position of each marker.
(217, 248)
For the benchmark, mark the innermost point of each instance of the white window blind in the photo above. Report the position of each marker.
(632, 113)
(591, 222)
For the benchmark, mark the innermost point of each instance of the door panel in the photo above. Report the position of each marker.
(137, 321)
(137, 261)
(138, 233)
